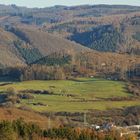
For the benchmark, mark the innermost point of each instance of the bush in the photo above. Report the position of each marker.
(7, 131)
(11, 91)
(12, 96)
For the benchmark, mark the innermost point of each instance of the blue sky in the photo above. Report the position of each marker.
(47, 3)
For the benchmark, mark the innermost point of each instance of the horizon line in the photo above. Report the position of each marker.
(70, 5)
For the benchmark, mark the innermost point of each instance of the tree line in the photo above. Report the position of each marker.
(67, 66)
(19, 129)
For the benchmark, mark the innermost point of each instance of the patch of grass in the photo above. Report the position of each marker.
(57, 104)
(86, 91)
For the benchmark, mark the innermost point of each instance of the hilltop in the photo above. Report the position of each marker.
(108, 28)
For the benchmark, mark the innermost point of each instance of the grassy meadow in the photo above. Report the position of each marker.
(85, 94)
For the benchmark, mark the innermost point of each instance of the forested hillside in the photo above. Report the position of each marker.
(46, 40)
(103, 38)
(113, 28)
(117, 33)
(25, 46)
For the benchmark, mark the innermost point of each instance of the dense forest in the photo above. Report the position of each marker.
(104, 38)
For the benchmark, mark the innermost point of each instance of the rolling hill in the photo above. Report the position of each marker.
(38, 44)
(109, 28)
(99, 38)
(9, 55)
(113, 33)
(47, 43)
(24, 46)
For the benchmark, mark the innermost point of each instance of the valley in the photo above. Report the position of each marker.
(75, 96)
(67, 70)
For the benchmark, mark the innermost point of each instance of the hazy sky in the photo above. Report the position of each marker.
(46, 3)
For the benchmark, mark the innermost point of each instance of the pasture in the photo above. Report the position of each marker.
(78, 95)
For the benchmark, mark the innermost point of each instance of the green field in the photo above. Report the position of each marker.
(89, 93)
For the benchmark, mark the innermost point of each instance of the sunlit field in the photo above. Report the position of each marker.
(78, 95)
